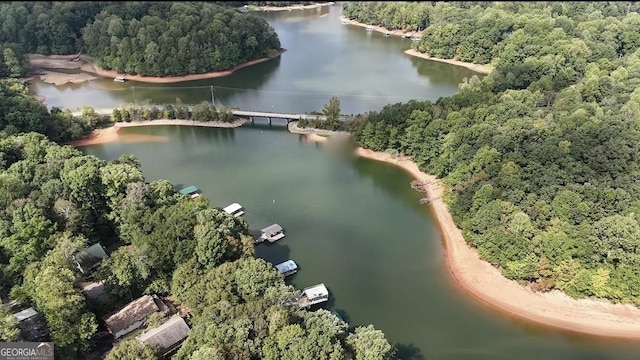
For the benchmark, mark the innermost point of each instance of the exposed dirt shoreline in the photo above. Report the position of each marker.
(111, 134)
(288, 8)
(84, 70)
(482, 69)
(471, 275)
(485, 283)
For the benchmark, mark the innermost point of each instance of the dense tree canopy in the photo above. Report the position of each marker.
(146, 38)
(540, 158)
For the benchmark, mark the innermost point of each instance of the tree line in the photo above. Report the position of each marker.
(145, 38)
(539, 159)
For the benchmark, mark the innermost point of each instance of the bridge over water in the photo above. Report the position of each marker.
(250, 114)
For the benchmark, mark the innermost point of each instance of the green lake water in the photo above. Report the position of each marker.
(355, 225)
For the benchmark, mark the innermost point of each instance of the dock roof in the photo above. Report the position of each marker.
(189, 190)
(230, 209)
(287, 266)
(315, 291)
(272, 229)
(167, 335)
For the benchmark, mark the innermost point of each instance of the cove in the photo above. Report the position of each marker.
(356, 225)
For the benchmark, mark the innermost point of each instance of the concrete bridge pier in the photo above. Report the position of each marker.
(269, 121)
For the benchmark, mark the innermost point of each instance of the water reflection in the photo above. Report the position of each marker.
(387, 179)
(438, 72)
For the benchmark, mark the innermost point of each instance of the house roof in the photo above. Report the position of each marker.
(32, 325)
(230, 209)
(189, 190)
(272, 229)
(90, 257)
(25, 314)
(135, 311)
(287, 266)
(168, 334)
(95, 290)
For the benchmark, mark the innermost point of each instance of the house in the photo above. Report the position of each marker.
(168, 337)
(134, 315)
(32, 326)
(89, 258)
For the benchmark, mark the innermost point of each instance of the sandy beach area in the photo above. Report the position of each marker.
(479, 68)
(485, 283)
(82, 70)
(379, 29)
(111, 134)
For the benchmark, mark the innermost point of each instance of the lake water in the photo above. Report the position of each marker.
(354, 224)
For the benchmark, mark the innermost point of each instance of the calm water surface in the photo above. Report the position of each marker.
(324, 58)
(354, 224)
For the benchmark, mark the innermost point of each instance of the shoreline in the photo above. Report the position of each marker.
(380, 29)
(285, 8)
(86, 68)
(483, 282)
(479, 68)
(110, 134)
(470, 275)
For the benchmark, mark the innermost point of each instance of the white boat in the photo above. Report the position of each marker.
(119, 78)
(369, 28)
(272, 233)
(234, 209)
(313, 295)
(287, 268)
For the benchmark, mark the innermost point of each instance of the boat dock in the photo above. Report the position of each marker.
(313, 295)
(287, 268)
(234, 209)
(272, 233)
(191, 191)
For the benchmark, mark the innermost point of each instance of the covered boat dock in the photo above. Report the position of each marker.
(192, 191)
(287, 268)
(234, 209)
(272, 233)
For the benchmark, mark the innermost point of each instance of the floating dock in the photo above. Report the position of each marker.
(234, 209)
(191, 191)
(272, 233)
(287, 268)
(313, 295)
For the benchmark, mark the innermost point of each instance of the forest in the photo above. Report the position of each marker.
(144, 38)
(539, 159)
